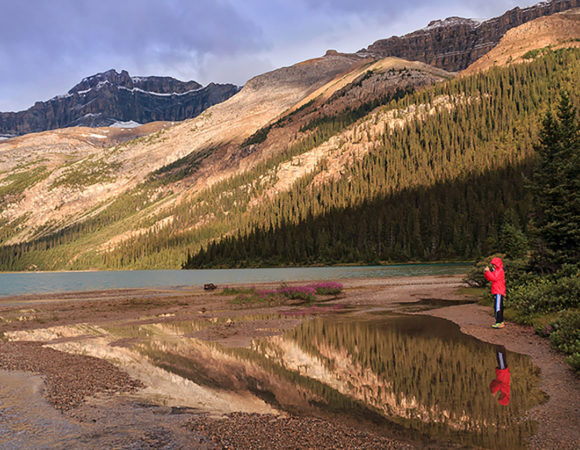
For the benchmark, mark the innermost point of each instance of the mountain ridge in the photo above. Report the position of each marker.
(550, 32)
(110, 97)
(454, 43)
(217, 133)
(161, 85)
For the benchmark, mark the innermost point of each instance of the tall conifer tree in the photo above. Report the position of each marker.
(556, 187)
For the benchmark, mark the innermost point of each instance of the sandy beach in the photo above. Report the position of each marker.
(55, 354)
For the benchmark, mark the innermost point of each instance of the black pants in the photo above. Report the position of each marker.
(500, 354)
(498, 307)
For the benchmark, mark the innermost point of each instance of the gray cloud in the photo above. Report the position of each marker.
(47, 46)
(395, 7)
(42, 40)
(135, 26)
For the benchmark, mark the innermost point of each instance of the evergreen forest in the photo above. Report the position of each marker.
(441, 188)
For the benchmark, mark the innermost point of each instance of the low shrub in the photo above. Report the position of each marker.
(545, 294)
(565, 336)
(266, 292)
(545, 331)
(516, 270)
(328, 288)
(251, 295)
(474, 277)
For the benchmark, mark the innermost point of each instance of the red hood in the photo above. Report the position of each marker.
(497, 263)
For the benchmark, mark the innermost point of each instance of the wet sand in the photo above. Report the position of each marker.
(101, 404)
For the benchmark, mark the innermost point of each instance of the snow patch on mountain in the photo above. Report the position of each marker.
(128, 124)
(453, 21)
(167, 94)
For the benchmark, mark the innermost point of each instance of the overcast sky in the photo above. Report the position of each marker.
(47, 46)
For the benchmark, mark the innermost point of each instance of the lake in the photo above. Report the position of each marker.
(49, 282)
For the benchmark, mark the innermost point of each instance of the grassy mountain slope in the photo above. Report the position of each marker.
(298, 150)
(90, 168)
(184, 200)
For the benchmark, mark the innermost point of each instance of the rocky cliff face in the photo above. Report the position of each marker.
(110, 97)
(454, 43)
(561, 30)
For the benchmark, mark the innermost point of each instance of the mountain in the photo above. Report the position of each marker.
(108, 98)
(67, 182)
(529, 40)
(53, 179)
(455, 43)
(342, 158)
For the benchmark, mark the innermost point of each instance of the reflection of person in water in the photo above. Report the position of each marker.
(502, 378)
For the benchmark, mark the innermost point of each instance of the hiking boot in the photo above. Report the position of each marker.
(498, 325)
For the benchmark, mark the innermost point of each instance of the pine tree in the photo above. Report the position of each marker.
(556, 188)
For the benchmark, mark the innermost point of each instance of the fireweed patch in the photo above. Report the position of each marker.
(305, 293)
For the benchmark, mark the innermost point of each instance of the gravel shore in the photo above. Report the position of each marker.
(69, 378)
(264, 431)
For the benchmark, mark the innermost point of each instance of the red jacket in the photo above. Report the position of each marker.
(501, 384)
(497, 277)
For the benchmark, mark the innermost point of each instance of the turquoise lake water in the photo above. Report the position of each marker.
(48, 282)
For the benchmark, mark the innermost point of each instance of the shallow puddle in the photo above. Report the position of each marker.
(407, 376)
(27, 421)
(426, 304)
(26, 418)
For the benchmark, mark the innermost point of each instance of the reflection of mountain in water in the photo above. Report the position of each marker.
(386, 374)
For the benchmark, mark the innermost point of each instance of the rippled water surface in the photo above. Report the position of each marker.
(46, 282)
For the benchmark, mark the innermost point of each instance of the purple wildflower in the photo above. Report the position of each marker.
(297, 292)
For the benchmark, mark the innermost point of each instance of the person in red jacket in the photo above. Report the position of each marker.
(497, 277)
(502, 378)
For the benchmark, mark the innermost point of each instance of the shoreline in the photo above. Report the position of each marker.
(557, 419)
(390, 264)
(66, 283)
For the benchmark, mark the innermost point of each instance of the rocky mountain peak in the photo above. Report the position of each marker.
(166, 85)
(157, 85)
(453, 21)
(110, 76)
(112, 98)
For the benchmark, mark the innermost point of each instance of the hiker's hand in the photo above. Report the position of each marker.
(486, 269)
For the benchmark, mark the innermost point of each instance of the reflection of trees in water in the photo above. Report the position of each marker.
(426, 372)
(244, 370)
(392, 373)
